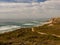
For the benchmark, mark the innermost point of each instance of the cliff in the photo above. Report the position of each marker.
(53, 22)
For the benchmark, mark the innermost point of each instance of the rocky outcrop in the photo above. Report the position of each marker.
(54, 20)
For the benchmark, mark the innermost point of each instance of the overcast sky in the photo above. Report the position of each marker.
(17, 9)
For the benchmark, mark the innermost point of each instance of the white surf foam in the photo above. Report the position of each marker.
(28, 24)
(8, 28)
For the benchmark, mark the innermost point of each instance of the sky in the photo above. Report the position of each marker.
(22, 1)
(21, 9)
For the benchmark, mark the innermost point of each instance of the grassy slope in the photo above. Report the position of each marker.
(55, 29)
(25, 36)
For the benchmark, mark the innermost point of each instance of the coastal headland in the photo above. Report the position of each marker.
(47, 34)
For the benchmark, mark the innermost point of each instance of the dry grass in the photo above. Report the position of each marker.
(25, 36)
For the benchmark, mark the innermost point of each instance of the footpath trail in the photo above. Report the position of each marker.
(42, 33)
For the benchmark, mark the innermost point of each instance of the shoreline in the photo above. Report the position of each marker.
(13, 29)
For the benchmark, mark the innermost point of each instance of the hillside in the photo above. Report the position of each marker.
(48, 34)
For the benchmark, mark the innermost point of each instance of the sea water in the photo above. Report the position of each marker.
(7, 25)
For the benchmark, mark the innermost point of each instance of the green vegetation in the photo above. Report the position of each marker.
(25, 36)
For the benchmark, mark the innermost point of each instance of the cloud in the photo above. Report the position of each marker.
(14, 10)
(49, 8)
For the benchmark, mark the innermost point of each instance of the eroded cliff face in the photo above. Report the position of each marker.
(55, 20)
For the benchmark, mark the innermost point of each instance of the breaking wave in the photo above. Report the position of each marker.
(28, 24)
(8, 28)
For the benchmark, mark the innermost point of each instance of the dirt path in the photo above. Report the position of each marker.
(45, 33)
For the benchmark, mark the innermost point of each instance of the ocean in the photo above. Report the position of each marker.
(7, 25)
